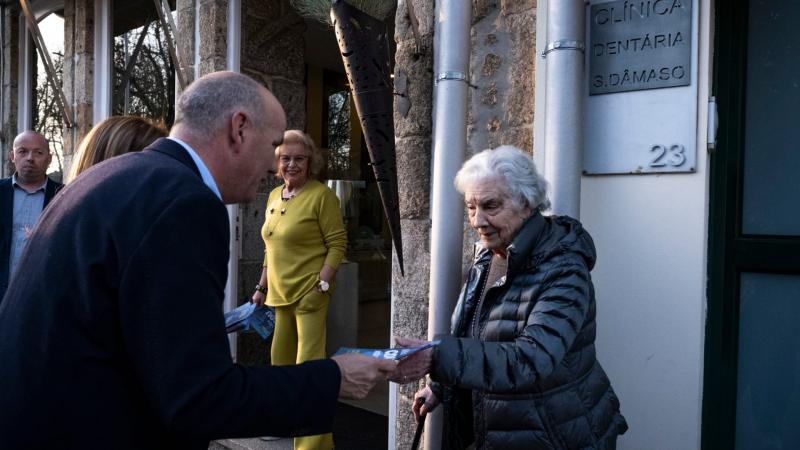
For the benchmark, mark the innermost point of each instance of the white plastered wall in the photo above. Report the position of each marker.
(650, 279)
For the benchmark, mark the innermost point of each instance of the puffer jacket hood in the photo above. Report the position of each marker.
(541, 238)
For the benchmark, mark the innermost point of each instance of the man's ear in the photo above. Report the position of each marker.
(237, 130)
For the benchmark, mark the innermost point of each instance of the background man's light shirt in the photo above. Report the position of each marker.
(27, 209)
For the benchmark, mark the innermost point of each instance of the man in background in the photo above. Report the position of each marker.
(112, 334)
(23, 196)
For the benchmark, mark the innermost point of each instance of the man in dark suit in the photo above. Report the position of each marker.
(23, 196)
(112, 334)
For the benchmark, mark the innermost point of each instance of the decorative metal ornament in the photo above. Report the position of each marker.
(365, 53)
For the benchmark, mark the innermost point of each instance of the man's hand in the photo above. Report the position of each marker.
(422, 409)
(360, 373)
(415, 366)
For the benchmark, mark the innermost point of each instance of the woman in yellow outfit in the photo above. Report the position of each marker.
(305, 241)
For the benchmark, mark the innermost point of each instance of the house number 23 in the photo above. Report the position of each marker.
(663, 155)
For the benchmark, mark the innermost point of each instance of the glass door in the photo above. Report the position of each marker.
(752, 371)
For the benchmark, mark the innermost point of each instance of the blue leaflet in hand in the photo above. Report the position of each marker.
(388, 353)
(263, 321)
(239, 315)
(248, 315)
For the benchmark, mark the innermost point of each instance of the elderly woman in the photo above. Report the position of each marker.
(305, 241)
(519, 370)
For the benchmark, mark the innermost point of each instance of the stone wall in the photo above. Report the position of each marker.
(501, 105)
(184, 41)
(502, 70)
(273, 53)
(413, 138)
(9, 79)
(213, 45)
(78, 72)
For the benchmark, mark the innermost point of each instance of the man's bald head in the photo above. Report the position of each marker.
(234, 124)
(31, 136)
(31, 157)
(205, 106)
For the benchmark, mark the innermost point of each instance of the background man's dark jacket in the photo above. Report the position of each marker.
(115, 338)
(6, 219)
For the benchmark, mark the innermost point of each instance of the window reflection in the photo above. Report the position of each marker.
(144, 73)
(47, 118)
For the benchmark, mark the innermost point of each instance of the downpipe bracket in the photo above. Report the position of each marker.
(455, 76)
(452, 76)
(564, 44)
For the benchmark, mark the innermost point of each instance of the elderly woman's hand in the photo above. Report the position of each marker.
(429, 403)
(413, 367)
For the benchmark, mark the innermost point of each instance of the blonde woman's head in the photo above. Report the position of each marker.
(113, 137)
(295, 141)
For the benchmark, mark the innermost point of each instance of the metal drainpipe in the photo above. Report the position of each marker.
(103, 80)
(27, 59)
(563, 138)
(453, 21)
(234, 59)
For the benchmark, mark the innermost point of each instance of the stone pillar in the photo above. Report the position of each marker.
(413, 139)
(273, 52)
(213, 46)
(184, 41)
(210, 54)
(502, 68)
(78, 72)
(9, 79)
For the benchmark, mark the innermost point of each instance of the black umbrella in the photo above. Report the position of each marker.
(365, 53)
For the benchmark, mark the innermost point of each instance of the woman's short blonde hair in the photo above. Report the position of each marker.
(315, 155)
(115, 136)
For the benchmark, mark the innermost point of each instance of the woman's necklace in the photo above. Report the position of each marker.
(287, 193)
(277, 210)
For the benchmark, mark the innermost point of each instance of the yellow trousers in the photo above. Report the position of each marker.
(300, 336)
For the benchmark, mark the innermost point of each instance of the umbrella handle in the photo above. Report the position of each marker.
(420, 426)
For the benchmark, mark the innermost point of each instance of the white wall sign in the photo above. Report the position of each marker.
(628, 129)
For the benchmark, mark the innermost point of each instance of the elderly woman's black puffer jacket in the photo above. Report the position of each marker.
(533, 374)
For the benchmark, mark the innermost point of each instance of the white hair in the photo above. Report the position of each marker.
(524, 185)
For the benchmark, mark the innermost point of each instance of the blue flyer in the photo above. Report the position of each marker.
(396, 354)
(248, 316)
(239, 315)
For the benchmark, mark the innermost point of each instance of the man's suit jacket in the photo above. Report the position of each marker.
(115, 337)
(6, 220)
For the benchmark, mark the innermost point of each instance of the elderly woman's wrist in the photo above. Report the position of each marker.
(442, 358)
